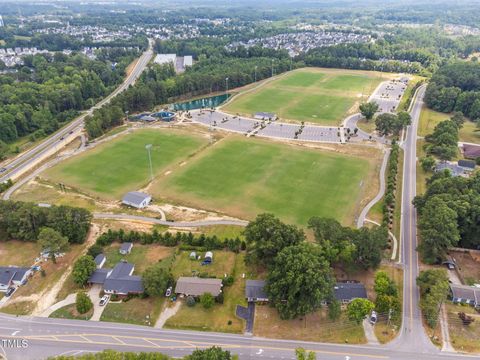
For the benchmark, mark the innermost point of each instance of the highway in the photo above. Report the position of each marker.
(43, 337)
(30, 158)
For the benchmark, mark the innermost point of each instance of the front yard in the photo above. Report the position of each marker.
(313, 327)
(134, 311)
(463, 337)
(70, 312)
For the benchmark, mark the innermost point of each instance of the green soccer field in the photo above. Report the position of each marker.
(121, 165)
(244, 177)
(323, 96)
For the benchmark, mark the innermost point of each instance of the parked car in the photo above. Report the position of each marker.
(373, 318)
(104, 300)
(2, 170)
(169, 292)
(9, 291)
(36, 268)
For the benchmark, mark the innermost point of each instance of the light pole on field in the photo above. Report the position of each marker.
(226, 84)
(149, 148)
(256, 67)
(272, 66)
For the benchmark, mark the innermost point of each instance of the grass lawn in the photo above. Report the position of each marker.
(9, 254)
(114, 168)
(70, 312)
(142, 256)
(313, 327)
(223, 263)
(221, 317)
(367, 126)
(246, 177)
(430, 118)
(463, 337)
(19, 308)
(323, 96)
(135, 311)
(223, 231)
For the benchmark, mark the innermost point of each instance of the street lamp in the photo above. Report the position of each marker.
(226, 82)
(256, 67)
(149, 148)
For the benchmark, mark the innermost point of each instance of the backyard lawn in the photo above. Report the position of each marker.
(221, 317)
(245, 177)
(323, 96)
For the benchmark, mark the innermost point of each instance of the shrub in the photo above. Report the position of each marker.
(83, 303)
(191, 301)
(207, 300)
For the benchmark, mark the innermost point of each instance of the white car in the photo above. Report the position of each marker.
(373, 318)
(104, 300)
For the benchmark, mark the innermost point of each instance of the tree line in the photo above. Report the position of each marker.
(448, 215)
(25, 221)
(299, 276)
(443, 142)
(48, 91)
(456, 87)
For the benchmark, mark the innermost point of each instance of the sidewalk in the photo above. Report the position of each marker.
(370, 333)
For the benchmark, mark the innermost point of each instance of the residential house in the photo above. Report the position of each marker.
(347, 291)
(463, 294)
(136, 199)
(13, 275)
(119, 280)
(194, 286)
(255, 292)
(471, 151)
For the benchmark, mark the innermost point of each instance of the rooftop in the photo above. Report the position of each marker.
(349, 291)
(12, 273)
(198, 286)
(135, 197)
(254, 289)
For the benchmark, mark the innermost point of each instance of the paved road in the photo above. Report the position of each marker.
(33, 156)
(48, 337)
(412, 332)
(169, 223)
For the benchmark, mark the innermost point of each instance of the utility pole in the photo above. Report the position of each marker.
(256, 73)
(226, 84)
(149, 148)
(272, 66)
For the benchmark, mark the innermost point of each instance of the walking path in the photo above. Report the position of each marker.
(447, 344)
(69, 300)
(392, 236)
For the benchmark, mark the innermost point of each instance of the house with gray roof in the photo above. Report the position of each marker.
(136, 199)
(194, 286)
(100, 260)
(463, 294)
(119, 280)
(13, 275)
(254, 291)
(126, 248)
(348, 291)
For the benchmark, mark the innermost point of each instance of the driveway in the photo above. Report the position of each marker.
(248, 314)
(94, 294)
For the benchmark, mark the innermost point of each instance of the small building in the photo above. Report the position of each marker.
(187, 61)
(265, 116)
(100, 260)
(468, 165)
(463, 294)
(13, 275)
(193, 255)
(208, 257)
(471, 151)
(136, 199)
(165, 59)
(119, 280)
(347, 291)
(194, 286)
(454, 168)
(126, 248)
(255, 292)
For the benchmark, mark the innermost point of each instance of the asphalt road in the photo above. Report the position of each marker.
(33, 156)
(412, 332)
(45, 337)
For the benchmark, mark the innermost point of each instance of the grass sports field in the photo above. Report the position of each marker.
(244, 177)
(323, 96)
(121, 165)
